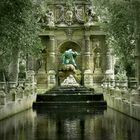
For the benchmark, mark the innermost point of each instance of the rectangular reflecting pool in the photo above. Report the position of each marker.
(69, 124)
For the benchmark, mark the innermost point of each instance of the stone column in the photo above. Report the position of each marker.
(52, 53)
(109, 73)
(52, 63)
(88, 76)
(87, 53)
(103, 46)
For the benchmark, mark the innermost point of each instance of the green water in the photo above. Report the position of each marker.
(69, 125)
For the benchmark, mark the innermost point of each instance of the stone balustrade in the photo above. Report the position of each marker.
(115, 83)
(124, 100)
(2, 98)
(15, 93)
(14, 99)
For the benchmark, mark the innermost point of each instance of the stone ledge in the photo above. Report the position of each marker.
(123, 106)
(15, 107)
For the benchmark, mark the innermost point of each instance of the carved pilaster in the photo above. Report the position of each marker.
(52, 43)
(87, 43)
(87, 53)
(52, 53)
(88, 76)
(109, 65)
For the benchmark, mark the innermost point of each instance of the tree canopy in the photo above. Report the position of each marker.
(18, 27)
(119, 21)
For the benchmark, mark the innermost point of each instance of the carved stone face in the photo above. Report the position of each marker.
(69, 15)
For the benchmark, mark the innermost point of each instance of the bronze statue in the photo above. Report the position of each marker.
(69, 57)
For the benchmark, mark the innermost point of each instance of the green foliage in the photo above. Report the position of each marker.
(18, 27)
(118, 17)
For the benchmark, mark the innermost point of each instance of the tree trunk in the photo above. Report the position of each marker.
(14, 66)
(137, 36)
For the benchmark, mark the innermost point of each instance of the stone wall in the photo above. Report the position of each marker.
(16, 99)
(123, 100)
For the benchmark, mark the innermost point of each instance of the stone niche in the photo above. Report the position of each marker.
(73, 26)
(99, 56)
(65, 70)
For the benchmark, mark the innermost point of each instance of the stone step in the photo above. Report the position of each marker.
(75, 111)
(69, 90)
(69, 97)
(60, 97)
(58, 104)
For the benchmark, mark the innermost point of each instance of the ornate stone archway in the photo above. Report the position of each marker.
(63, 71)
(66, 45)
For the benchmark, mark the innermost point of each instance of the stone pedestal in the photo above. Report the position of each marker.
(20, 91)
(98, 74)
(67, 70)
(11, 95)
(2, 85)
(14, 94)
(30, 77)
(13, 91)
(88, 79)
(30, 81)
(2, 97)
(109, 73)
(70, 82)
(98, 77)
(51, 79)
(135, 98)
(42, 78)
(109, 83)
